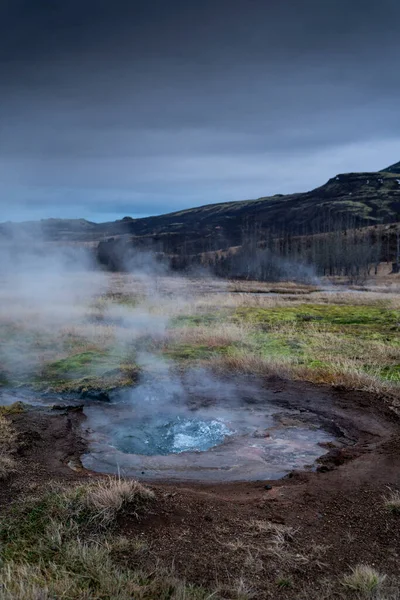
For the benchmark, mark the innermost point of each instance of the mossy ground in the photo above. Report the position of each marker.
(88, 370)
(315, 336)
(329, 337)
(64, 360)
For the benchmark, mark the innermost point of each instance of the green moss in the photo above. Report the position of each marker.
(88, 370)
(275, 345)
(12, 409)
(367, 319)
(79, 364)
(196, 320)
(388, 372)
(184, 352)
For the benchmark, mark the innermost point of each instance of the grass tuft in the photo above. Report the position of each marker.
(7, 466)
(8, 446)
(107, 497)
(364, 579)
(392, 502)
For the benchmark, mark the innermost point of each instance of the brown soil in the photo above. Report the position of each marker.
(207, 532)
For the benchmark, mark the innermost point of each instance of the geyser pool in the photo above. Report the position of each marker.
(216, 442)
(166, 434)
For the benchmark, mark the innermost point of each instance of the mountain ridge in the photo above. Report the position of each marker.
(345, 200)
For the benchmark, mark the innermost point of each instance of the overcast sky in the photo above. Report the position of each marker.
(135, 107)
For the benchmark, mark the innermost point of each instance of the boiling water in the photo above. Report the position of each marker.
(218, 443)
(251, 440)
(168, 435)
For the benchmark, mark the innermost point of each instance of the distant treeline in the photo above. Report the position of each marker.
(349, 251)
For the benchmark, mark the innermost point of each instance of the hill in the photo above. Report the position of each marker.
(393, 169)
(345, 201)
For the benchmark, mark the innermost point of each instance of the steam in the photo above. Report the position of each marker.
(54, 296)
(56, 303)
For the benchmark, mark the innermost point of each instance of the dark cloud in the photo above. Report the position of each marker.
(137, 107)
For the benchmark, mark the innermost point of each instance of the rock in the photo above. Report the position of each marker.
(75, 464)
(324, 469)
(97, 395)
(267, 487)
(68, 407)
(261, 433)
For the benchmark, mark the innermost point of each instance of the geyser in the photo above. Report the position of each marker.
(201, 440)
(169, 434)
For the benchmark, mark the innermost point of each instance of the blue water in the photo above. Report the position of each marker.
(168, 435)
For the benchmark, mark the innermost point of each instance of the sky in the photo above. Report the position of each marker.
(111, 108)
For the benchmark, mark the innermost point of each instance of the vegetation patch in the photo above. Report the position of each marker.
(392, 502)
(336, 316)
(364, 579)
(44, 555)
(88, 370)
(15, 408)
(8, 447)
(196, 320)
(184, 352)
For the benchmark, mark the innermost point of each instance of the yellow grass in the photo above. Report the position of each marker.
(364, 579)
(392, 502)
(8, 446)
(107, 497)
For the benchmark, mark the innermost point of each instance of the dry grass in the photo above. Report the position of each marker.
(125, 318)
(277, 531)
(52, 548)
(8, 446)
(8, 436)
(392, 502)
(341, 374)
(280, 544)
(7, 466)
(88, 573)
(364, 579)
(252, 364)
(107, 497)
(222, 334)
(347, 376)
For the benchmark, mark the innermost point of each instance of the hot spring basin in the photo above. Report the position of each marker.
(218, 443)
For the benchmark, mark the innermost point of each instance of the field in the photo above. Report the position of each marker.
(347, 338)
(329, 532)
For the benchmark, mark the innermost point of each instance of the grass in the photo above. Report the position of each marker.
(87, 571)
(94, 369)
(352, 346)
(66, 543)
(392, 502)
(338, 338)
(60, 546)
(364, 579)
(284, 582)
(107, 498)
(7, 466)
(8, 446)
(86, 509)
